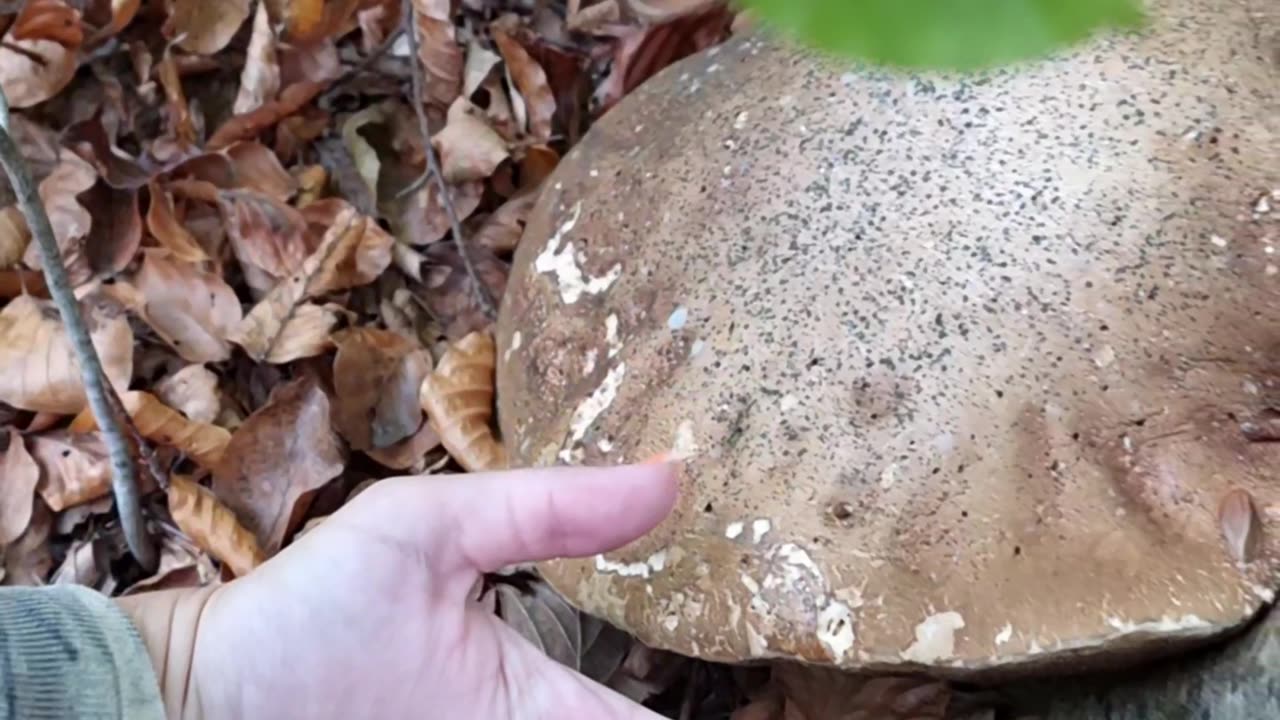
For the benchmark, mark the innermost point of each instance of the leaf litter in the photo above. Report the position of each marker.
(277, 297)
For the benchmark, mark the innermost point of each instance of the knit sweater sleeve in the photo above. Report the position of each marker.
(69, 652)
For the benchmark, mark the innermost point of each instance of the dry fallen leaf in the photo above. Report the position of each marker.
(19, 475)
(302, 333)
(309, 20)
(38, 370)
(265, 233)
(191, 310)
(14, 236)
(656, 12)
(205, 26)
(530, 79)
(442, 58)
(352, 252)
(376, 376)
(74, 468)
(163, 224)
(163, 425)
(116, 230)
(543, 618)
(70, 220)
(469, 149)
(501, 230)
(410, 453)
(257, 168)
(26, 82)
(423, 219)
(192, 391)
(83, 565)
(27, 561)
(212, 526)
(48, 20)
(180, 566)
(246, 125)
(458, 399)
(277, 459)
(260, 78)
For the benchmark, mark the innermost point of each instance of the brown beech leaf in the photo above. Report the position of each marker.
(258, 169)
(71, 518)
(212, 526)
(204, 27)
(192, 391)
(181, 566)
(282, 338)
(163, 224)
(28, 561)
(19, 475)
(458, 399)
(260, 78)
(352, 252)
(38, 370)
(531, 81)
(536, 165)
(469, 149)
(442, 57)
(450, 296)
(642, 53)
(501, 230)
(180, 123)
(74, 468)
(422, 219)
(544, 619)
(265, 233)
(277, 459)
(163, 425)
(26, 82)
(310, 20)
(191, 310)
(83, 564)
(116, 231)
(656, 12)
(245, 126)
(14, 236)
(60, 192)
(376, 376)
(48, 20)
(408, 453)
(122, 13)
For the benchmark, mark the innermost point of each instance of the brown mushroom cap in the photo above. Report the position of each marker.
(970, 373)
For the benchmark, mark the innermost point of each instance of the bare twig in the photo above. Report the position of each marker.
(106, 406)
(31, 55)
(368, 62)
(485, 300)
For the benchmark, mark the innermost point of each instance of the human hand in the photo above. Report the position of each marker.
(372, 614)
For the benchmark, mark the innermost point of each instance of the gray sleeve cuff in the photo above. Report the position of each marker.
(69, 652)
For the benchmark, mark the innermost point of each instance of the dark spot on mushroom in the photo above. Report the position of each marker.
(66, 453)
(1017, 550)
(841, 511)
(707, 508)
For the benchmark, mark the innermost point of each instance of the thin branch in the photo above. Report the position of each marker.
(485, 300)
(368, 62)
(102, 397)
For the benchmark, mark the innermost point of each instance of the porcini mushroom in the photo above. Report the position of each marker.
(969, 374)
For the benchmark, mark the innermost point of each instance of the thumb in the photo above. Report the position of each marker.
(486, 521)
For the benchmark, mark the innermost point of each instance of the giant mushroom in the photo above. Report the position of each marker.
(971, 376)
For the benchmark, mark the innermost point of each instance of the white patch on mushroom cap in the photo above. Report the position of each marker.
(611, 334)
(678, 318)
(1164, 625)
(935, 638)
(653, 564)
(733, 530)
(516, 340)
(589, 365)
(571, 281)
(685, 444)
(1005, 634)
(596, 403)
(835, 629)
(759, 528)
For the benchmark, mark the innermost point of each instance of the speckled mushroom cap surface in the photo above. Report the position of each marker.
(969, 373)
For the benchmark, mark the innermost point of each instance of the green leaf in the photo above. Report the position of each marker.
(944, 34)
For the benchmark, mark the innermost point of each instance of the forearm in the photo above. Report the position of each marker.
(167, 622)
(67, 652)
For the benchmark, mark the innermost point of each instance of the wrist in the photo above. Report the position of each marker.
(169, 622)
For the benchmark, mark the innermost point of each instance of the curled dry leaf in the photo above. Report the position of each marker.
(83, 564)
(72, 517)
(163, 224)
(1240, 525)
(27, 561)
(310, 20)
(116, 230)
(257, 168)
(458, 399)
(213, 526)
(277, 339)
(422, 219)
(450, 297)
(60, 192)
(73, 467)
(501, 230)
(247, 125)
(363, 159)
(204, 27)
(163, 425)
(409, 453)
(260, 79)
(192, 391)
(438, 49)
(376, 376)
(469, 149)
(352, 252)
(531, 81)
(38, 370)
(278, 459)
(545, 620)
(656, 12)
(19, 475)
(26, 82)
(48, 20)
(191, 310)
